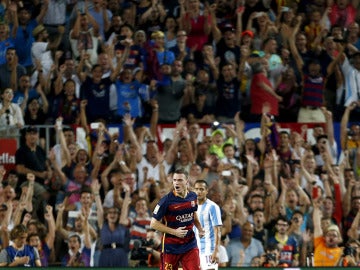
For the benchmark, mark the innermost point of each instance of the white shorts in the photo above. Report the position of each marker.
(206, 263)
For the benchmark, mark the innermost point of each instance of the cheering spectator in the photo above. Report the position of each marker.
(19, 253)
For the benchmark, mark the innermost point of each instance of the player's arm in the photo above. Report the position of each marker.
(217, 232)
(157, 225)
(198, 225)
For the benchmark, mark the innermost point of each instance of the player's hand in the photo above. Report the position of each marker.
(181, 232)
(215, 257)
(201, 233)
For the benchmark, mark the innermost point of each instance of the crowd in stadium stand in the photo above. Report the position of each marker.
(285, 200)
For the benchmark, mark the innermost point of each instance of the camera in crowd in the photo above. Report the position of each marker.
(215, 125)
(351, 133)
(349, 251)
(270, 257)
(139, 251)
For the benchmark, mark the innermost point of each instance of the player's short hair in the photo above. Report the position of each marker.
(201, 181)
(182, 171)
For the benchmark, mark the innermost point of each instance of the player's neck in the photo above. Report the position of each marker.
(182, 194)
(200, 202)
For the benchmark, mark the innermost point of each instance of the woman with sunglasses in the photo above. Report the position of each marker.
(10, 113)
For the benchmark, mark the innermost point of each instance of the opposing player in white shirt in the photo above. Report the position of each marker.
(210, 219)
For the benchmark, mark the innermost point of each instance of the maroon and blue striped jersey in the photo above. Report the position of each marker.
(175, 212)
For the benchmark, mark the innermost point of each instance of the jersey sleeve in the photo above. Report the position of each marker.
(160, 208)
(216, 215)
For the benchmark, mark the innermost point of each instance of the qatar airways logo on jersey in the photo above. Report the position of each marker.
(185, 217)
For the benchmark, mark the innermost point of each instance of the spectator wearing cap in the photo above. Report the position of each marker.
(326, 250)
(23, 38)
(11, 71)
(227, 49)
(157, 56)
(42, 47)
(10, 113)
(31, 158)
(247, 37)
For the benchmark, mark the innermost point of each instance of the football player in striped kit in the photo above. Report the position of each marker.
(175, 216)
(210, 218)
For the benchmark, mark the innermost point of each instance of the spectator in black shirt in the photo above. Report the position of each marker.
(31, 158)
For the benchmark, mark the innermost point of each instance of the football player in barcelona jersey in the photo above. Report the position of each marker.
(175, 215)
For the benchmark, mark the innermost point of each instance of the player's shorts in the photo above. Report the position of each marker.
(189, 260)
(206, 263)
